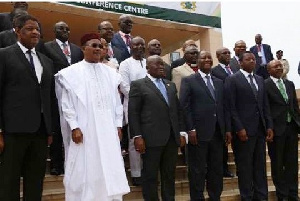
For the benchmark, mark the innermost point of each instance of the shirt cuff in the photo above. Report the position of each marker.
(184, 134)
(136, 136)
(0, 130)
(119, 123)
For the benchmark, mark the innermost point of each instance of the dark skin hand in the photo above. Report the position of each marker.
(242, 135)
(228, 138)
(193, 137)
(120, 134)
(77, 136)
(182, 141)
(1, 142)
(139, 144)
(270, 135)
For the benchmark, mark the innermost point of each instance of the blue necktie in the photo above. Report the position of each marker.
(210, 87)
(31, 60)
(161, 87)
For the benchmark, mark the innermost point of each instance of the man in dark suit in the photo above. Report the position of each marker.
(222, 71)
(263, 56)
(63, 54)
(6, 19)
(252, 123)
(239, 47)
(283, 150)
(154, 48)
(122, 39)
(202, 99)
(155, 122)
(181, 61)
(27, 99)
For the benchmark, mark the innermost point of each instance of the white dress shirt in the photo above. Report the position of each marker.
(62, 49)
(246, 74)
(203, 75)
(37, 64)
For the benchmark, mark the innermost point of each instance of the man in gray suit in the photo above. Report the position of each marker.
(63, 54)
(155, 122)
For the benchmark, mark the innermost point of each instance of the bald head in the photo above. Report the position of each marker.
(125, 23)
(154, 47)
(275, 68)
(155, 66)
(62, 31)
(188, 43)
(239, 47)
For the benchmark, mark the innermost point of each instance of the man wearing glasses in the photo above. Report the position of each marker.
(91, 115)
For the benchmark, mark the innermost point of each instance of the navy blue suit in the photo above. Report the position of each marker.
(252, 114)
(261, 69)
(120, 48)
(206, 115)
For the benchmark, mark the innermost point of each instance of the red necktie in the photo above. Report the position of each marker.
(258, 48)
(228, 70)
(65, 49)
(127, 37)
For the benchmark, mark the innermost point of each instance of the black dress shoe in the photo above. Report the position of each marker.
(283, 199)
(136, 181)
(228, 174)
(55, 171)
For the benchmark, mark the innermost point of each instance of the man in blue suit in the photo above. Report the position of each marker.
(202, 99)
(251, 121)
(121, 40)
(263, 56)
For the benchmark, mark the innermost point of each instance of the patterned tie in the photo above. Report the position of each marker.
(285, 97)
(31, 60)
(253, 87)
(127, 37)
(161, 87)
(228, 70)
(65, 49)
(210, 87)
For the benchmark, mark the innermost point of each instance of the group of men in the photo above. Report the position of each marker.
(73, 95)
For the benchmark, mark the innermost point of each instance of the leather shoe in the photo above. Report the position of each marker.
(283, 199)
(55, 171)
(228, 174)
(136, 181)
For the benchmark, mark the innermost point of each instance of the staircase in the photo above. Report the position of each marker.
(54, 190)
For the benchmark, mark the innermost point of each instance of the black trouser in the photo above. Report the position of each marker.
(283, 152)
(24, 153)
(251, 166)
(161, 159)
(206, 157)
(56, 152)
(225, 158)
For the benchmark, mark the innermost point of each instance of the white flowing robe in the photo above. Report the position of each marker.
(88, 99)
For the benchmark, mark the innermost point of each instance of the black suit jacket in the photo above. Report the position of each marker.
(54, 52)
(234, 63)
(149, 114)
(22, 98)
(269, 57)
(279, 108)
(202, 112)
(120, 48)
(220, 73)
(247, 111)
(6, 21)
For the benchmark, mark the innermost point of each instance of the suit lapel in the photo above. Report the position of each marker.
(25, 61)
(275, 89)
(152, 86)
(245, 82)
(222, 70)
(121, 41)
(203, 85)
(288, 90)
(188, 69)
(58, 50)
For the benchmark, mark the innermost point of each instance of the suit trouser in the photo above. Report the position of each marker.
(56, 152)
(24, 153)
(135, 160)
(161, 159)
(283, 152)
(251, 165)
(205, 160)
(225, 157)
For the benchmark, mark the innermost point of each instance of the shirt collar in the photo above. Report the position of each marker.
(60, 43)
(222, 65)
(123, 34)
(203, 74)
(24, 49)
(275, 80)
(246, 74)
(153, 79)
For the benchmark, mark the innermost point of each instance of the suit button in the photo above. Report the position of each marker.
(215, 115)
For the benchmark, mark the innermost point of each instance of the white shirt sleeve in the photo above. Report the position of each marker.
(119, 106)
(125, 78)
(68, 110)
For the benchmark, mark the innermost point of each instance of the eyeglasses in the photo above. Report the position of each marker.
(96, 45)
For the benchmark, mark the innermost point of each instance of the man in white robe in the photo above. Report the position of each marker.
(91, 118)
